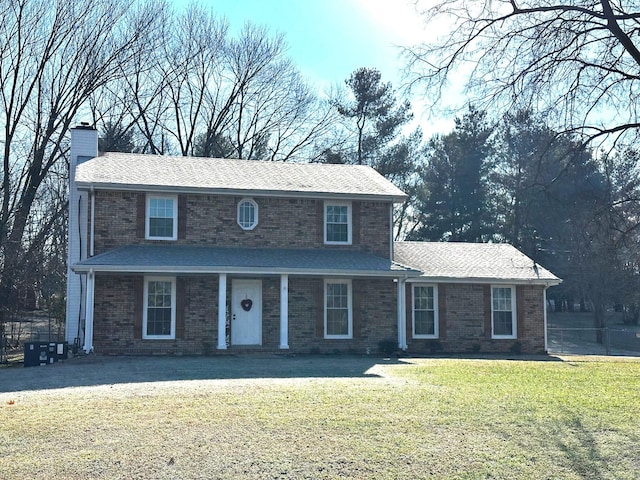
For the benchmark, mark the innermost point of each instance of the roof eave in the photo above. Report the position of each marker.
(547, 282)
(83, 185)
(202, 270)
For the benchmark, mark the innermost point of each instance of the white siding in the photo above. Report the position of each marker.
(84, 145)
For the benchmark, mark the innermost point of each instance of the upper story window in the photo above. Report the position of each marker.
(425, 311)
(503, 312)
(337, 223)
(247, 214)
(161, 217)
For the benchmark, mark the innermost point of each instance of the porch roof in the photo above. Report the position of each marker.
(181, 259)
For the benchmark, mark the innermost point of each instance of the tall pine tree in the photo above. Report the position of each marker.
(454, 201)
(374, 117)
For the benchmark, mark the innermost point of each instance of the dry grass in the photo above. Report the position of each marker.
(431, 418)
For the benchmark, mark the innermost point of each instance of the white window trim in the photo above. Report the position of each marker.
(349, 222)
(514, 309)
(255, 206)
(436, 330)
(349, 334)
(145, 306)
(148, 211)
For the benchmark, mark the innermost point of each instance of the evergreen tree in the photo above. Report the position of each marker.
(453, 200)
(375, 119)
(116, 138)
(374, 116)
(213, 145)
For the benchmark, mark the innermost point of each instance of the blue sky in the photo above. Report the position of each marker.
(329, 39)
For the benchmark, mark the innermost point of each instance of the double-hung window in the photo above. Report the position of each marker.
(338, 314)
(503, 312)
(337, 223)
(425, 311)
(159, 312)
(162, 217)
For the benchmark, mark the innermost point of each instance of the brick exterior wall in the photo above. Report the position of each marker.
(374, 316)
(465, 322)
(211, 220)
(116, 330)
(462, 319)
(287, 223)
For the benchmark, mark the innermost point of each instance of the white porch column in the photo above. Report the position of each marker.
(284, 311)
(222, 311)
(402, 314)
(88, 323)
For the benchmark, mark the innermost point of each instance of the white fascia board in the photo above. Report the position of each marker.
(482, 280)
(239, 192)
(235, 270)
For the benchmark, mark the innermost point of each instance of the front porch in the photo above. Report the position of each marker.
(289, 315)
(205, 300)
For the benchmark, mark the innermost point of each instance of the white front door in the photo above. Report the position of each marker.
(246, 312)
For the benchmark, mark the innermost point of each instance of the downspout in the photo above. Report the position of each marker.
(92, 195)
(77, 338)
(391, 232)
(402, 313)
(88, 327)
(544, 309)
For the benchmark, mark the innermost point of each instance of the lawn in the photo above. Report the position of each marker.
(423, 418)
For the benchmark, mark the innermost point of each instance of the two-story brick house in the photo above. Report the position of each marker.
(178, 255)
(193, 255)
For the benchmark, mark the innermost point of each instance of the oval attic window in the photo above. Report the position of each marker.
(247, 214)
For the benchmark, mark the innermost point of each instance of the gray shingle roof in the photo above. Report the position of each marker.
(201, 259)
(482, 262)
(217, 175)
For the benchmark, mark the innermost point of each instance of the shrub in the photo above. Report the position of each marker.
(387, 346)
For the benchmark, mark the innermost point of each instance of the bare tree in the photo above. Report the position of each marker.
(52, 58)
(276, 113)
(204, 92)
(577, 60)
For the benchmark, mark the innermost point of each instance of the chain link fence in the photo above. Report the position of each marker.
(570, 333)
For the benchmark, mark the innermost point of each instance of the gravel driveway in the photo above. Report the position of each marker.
(95, 370)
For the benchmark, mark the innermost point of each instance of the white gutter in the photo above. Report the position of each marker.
(235, 270)
(240, 192)
(484, 280)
